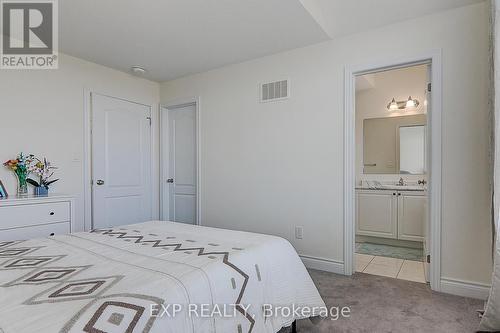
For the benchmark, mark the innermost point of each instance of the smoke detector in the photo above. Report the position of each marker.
(138, 70)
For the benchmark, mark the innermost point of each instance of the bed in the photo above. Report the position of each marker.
(154, 277)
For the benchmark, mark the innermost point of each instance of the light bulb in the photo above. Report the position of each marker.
(393, 105)
(410, 103)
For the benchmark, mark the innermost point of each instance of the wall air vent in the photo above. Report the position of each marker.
(274, 91)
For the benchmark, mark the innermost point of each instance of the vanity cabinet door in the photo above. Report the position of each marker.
(411, 216)
(376, 213)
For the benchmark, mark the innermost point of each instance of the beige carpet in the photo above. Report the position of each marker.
(380, 304)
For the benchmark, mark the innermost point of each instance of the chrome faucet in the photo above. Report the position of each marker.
(401, 181)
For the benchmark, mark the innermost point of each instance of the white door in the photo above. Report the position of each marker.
(121, 162)
(427, 222)
(180, 164)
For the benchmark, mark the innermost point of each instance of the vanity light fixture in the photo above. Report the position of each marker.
(394, 105)
(411, 103)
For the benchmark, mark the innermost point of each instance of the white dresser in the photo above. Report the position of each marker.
(36, 217)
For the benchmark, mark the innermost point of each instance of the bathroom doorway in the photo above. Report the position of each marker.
(389, 176)
(391, 173)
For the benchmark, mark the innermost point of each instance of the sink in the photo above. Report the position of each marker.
(375, 185)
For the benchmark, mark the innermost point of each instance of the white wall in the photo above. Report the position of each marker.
(270, 167)
(372, 103)
(42, 112)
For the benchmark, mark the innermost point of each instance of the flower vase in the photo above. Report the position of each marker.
(41, 191)
(22, 185)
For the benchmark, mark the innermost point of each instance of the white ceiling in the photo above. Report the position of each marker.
(365, 82)
(344, 17)
(174, 38)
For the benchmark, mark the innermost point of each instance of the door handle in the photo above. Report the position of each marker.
(170, 180)
(100, 182)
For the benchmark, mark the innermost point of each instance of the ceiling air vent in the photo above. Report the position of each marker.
(274, 91)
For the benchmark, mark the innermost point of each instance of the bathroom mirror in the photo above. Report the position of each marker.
(394, 145)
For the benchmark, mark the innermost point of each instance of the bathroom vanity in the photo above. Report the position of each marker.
(397, 212)
(391, 176)
(392, 148)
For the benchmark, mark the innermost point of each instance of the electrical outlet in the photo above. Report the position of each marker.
(299, 232)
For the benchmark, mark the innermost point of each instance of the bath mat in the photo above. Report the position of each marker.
(390, 251)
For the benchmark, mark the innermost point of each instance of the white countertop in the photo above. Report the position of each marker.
(15, 198)
(393, 188)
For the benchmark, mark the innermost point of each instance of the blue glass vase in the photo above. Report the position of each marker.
(41, 191)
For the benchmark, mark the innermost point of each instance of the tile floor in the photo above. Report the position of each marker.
(391, 267)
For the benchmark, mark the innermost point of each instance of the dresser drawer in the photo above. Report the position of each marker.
(38, 231)
(34, 214)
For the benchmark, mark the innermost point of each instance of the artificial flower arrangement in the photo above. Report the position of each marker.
(25, 165)
(20, 167)
(44, 170)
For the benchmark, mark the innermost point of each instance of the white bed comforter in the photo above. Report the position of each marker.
(154, 277)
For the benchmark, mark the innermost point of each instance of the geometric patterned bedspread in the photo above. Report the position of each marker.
(154, 277)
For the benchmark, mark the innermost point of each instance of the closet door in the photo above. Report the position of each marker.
(121, 162)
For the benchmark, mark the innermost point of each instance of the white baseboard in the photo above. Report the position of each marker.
(322, 264)
(449, 286)
(465, 288)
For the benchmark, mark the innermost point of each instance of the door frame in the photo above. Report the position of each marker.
(434, 58)
(164, 152)
(87, 154)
